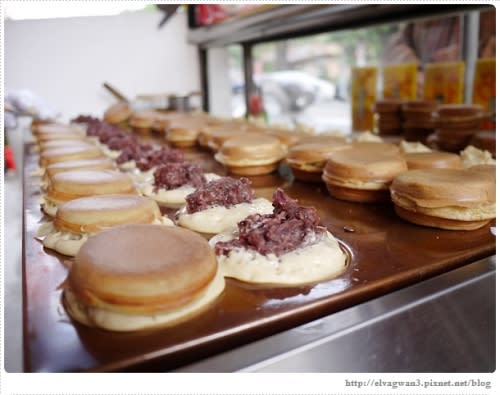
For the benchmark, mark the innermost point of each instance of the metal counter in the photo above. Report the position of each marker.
(444, 324)
(411, 299)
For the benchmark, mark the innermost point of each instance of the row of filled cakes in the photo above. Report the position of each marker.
(156, 273)
(430, 188)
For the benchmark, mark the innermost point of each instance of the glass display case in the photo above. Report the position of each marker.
(299, 58)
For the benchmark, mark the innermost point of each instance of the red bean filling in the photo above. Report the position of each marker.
(117, 143)
(133, 151)
(278, 233)
(85, 119)
(176, 174)
(225, 192)
(157, 157)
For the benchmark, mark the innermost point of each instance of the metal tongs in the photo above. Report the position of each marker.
(116, 93)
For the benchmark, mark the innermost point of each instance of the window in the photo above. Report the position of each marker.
(307, 80)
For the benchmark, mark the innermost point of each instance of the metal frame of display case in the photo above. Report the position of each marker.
(291, 21)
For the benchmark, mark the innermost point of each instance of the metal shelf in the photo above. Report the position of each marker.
(287, 21)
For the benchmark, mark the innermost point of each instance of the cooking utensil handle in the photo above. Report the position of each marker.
(115, 92)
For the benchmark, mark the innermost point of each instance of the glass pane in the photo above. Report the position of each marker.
(236, 77)
(487, 33)
(307, 80)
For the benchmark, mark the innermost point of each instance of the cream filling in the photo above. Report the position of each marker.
(112, 154)
(38, 172)
(94, 140)
(368, 137)
(408, 147)
(141, 177)
(113, 321)
(66, 243)
(48, 206)
(69, 243)
(321, 258)
(460, 213)
(79, 127)
(79, 124)
(239, 162)
(163, 221)
(43, 184)
(129, 165)
(175, 138)
(214, 147)
(211, 176)
(356, 184)
(174, 198)
(44, 229)
(472, 156)
(312, 167)
(217, 219)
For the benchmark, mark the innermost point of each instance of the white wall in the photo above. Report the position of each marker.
(65, 61)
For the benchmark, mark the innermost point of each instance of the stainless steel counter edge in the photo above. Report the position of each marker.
(444, 324)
